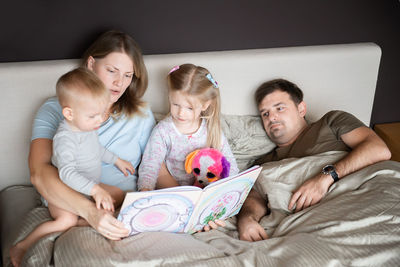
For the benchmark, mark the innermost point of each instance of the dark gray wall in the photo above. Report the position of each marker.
(44, 29)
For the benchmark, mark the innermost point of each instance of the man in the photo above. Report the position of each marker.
(283, 111)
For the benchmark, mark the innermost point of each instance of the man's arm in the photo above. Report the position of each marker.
(367, 148)
(253, 209)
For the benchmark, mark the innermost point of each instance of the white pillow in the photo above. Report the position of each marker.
(247, 138)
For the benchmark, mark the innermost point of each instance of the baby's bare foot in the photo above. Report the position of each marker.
(16, 255)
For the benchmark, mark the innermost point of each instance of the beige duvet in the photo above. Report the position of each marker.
(356, 224)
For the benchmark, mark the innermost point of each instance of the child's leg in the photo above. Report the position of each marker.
(116, 193)
(165, 179)
(63, 220)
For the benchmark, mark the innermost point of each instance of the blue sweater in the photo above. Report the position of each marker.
(125, 137)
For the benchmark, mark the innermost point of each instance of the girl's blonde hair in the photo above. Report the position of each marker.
(130, 102)
(197, 81)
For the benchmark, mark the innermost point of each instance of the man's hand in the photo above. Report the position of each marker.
(310, 192)
(102, 198)
(124, 166)
(250, 230)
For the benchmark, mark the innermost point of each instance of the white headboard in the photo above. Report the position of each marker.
(332, 77)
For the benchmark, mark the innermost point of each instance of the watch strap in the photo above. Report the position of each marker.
(334, 175)
(331, 170)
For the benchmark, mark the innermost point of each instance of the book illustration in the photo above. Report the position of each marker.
(223, 203)
(219, 208)
(166, 212)
(186, 208)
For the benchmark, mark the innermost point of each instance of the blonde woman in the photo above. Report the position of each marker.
(117, 60)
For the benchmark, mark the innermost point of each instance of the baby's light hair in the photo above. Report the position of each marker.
(197, 82)
(78, 83)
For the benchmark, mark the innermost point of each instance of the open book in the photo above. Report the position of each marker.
(186, 209)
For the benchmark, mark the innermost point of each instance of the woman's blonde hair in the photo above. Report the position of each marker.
(197, 81)
(130, 102)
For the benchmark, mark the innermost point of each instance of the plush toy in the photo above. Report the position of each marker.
(207, 165)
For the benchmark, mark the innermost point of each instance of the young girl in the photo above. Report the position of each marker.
(193, 123)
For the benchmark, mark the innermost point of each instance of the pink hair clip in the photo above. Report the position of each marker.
(173, 69)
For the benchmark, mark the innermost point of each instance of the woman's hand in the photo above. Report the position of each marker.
(102, 198)
(124, 166)
(105, 224)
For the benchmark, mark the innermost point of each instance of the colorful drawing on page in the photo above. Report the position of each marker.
(223, 203)
(166, 212)
(220, 207)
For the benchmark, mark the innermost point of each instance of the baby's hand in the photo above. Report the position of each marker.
(124, 166)
(102, 198)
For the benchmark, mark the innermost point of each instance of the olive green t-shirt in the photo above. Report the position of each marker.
(320, 136)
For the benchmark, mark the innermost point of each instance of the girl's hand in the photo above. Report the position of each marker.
(102, 198)
(124, 166)
(213, 225)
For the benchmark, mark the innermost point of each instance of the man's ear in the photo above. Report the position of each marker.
(67, 113)
(302, 107)
(90, 63)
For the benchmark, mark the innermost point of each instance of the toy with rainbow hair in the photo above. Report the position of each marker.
(207, 165)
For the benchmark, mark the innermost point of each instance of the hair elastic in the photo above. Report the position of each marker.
(211, 79)
(173, 69)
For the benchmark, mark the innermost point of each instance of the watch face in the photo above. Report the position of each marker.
(329, 168)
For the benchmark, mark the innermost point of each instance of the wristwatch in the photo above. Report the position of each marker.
(330, 169)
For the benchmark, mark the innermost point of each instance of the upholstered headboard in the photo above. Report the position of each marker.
(331, 76)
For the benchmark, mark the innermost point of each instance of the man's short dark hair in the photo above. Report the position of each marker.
(279, 85)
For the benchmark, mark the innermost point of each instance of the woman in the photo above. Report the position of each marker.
(117, 61)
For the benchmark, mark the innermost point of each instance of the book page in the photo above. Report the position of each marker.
(222, 199)
(159, 210)
(179, 188)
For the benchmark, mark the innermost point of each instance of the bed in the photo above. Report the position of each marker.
(356, 224)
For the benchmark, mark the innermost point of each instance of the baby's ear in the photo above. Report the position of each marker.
(189, 160)
(225, 167)
(67, 113)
